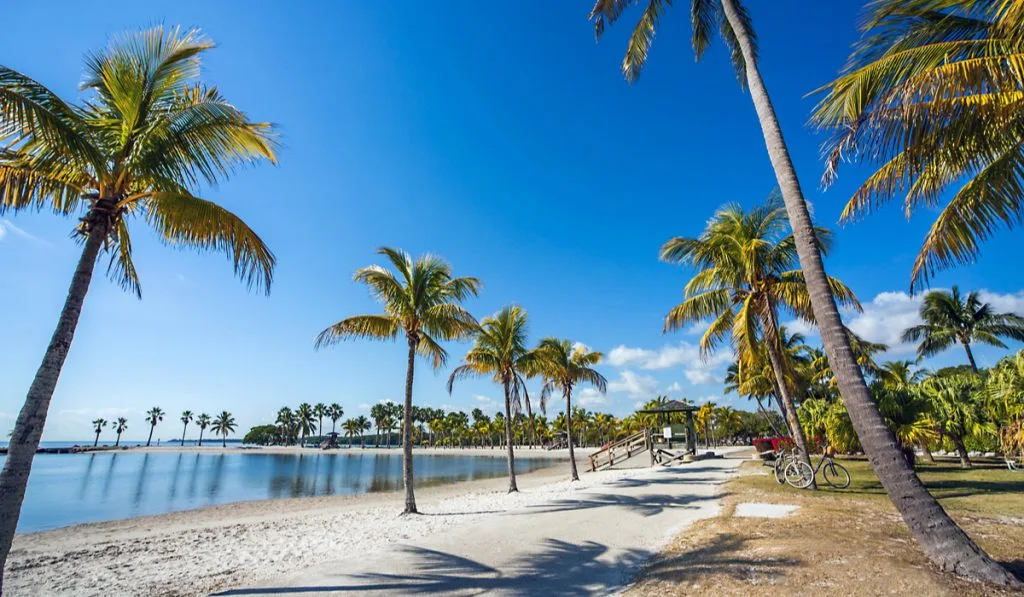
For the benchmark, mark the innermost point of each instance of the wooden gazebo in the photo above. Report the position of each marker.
(674, 432)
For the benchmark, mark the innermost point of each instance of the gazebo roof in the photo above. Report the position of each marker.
(672, 406)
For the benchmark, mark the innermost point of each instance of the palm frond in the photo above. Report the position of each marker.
(378, 327)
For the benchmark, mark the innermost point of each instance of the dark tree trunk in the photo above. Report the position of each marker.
(927, 452)
(152, 426)
(183, 435)
(508, 440)
(118, 442)
(29, 425)
(944, 542)
(97, 442)
(201, 429)
(407, 478)
(568, 433)
(970, 355)
(961, 449)
(224, 441)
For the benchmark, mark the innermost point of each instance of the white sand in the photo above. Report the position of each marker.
(200, 551)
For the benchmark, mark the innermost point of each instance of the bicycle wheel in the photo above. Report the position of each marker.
(780, 469)
(836, 475)
(799, 474)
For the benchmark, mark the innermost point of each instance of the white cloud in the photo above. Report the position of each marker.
(622, 355)
(698, 376)
(485, 402)
(591, 397)
(675, 387)
(364, 406)
(8, 228)
(1004, 303)
(580, 346)
(633, 385)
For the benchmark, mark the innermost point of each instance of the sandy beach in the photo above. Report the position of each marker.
(236, 449)
(201, 551)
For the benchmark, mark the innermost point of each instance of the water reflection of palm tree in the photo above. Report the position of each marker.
(174, 478)
(86, 476)
(382, 479)
(193, 477)
(110, 475)
(216, 471)
(141, 484)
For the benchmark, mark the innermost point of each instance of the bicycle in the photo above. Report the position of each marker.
(800, 475)
(781, 467)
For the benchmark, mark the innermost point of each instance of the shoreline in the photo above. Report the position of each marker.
(525, 452)
(165, 554)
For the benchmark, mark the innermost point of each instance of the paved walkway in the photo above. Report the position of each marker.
(591, 543)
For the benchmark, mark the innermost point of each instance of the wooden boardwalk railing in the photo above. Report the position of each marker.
(623, 449)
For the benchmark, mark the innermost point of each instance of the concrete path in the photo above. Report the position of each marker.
(591, 543)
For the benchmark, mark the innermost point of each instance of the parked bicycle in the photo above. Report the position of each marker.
(800, 475)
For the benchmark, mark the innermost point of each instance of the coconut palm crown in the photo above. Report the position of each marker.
(951, 318)
(931, 98)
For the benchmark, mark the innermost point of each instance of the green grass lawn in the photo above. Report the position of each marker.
(987, 489)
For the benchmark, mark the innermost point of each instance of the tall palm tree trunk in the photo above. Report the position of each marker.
(767, 417)
(97, 442)
(944, 542)
(28, 428)
(961, 450)
(568, 433)
(410, 497)
(183, 435)
(201, 437)
(152, 426)
(508, 440)
(970, 355)
(118, 441)
(224, 441)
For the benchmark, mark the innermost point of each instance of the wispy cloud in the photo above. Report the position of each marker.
(591, 397)
(684, 355)
(8, 229)
(634, 385)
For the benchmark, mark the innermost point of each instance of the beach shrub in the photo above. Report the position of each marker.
(261, 435)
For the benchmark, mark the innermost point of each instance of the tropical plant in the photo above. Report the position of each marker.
(286, 422)
(153, 415)
(223, 425)
(746, 272)
(122, 424)
(1004, 398)
(950, 318)
(931, 99)
(186, 418)
(143, 142)
(500, 351)
(335, 412)
(351, 429)
(203, 421)
(943, 541)
(421, 299)
(261, 435)
(320, 410)
(305, 421)
(363, 425)
(98, 426)
(564, 366)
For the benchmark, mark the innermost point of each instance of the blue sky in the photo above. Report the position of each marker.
(506, 141)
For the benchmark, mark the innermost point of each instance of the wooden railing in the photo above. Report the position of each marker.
(619, 451)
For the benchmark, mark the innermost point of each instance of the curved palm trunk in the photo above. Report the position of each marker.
(508, 440)
(97, 442)
(28, 428)
(118, 442)
(568, 433)
(410, 497)
(201, 429)
(787, 399)
(970, 355)
(961, 449)
(183, 435)
(944, 542)
(152, 426)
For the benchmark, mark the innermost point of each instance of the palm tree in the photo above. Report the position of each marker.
(186, 417)
(564, 366)
(351, 428)
(421, 299)
(145, 141)
(98, 426)
(122, 424)
(363, 426)
(203, 421)
(153, 415)
(286, 423)
(944, 542)
(335, 412)
(500, 351)
(378, 412)
(950, 318)
(223, 425)
(304, 420)
(746, 264)
(930, 98)
(320, 410)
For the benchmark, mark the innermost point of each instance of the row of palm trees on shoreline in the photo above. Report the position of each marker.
(899, 103)
(223, 425)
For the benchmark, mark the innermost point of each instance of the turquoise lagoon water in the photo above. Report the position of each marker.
(67, 489)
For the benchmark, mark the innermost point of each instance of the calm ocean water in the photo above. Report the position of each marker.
(66, 489)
